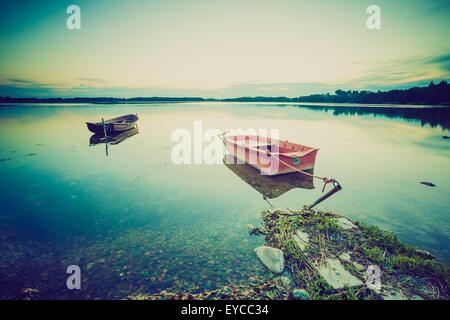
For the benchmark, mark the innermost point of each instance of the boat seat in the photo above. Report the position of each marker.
(255, 144)
(296, 154)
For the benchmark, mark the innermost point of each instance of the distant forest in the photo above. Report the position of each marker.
(433, 94)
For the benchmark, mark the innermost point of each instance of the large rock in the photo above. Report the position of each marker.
(272, 258)
(334, 273)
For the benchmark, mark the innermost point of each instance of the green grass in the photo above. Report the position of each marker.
(417, 265)
(327, 224)
(377, 236)
(375, 254)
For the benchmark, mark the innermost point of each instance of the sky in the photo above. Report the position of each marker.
(220, 48)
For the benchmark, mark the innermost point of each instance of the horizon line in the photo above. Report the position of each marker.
(159, 97)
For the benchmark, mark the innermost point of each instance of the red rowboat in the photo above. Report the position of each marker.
(270, 156)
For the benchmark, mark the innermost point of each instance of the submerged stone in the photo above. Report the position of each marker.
(301, 239)
(345, 224)
(428, 184)
(299, 294)
(254, 231)
(334, 273)
(272, 258)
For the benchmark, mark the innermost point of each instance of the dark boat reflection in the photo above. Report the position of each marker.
(270, 187)
(113, 138)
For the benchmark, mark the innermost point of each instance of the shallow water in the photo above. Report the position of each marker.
(135, 222)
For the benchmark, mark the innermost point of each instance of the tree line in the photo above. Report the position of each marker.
(433, 94)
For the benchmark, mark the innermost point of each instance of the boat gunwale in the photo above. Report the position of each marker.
(234, 142)
(130, 118)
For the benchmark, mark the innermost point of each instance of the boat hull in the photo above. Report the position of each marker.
(118, 124)
(270, 156)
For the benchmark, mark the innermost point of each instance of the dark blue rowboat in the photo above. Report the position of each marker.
(118, 124)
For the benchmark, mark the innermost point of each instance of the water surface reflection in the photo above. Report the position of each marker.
(137, 222)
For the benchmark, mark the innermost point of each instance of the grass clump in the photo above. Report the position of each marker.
(417, 265)
(327, 224)
(375, 254)
(377, 236)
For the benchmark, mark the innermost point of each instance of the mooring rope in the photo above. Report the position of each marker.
(324, 179)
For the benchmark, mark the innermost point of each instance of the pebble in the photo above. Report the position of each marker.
(299, 294)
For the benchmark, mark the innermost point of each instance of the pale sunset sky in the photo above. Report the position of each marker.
(220, 48)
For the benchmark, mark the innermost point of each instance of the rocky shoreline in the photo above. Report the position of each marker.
(322, 255)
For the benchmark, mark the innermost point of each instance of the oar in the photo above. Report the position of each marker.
(106, 136)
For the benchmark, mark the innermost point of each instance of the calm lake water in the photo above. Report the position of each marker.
(135, 222)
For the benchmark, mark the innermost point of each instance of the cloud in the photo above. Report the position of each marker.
(401, 73)
(21, 81)
(24, 91)
(91, 80)
(442, 61)
(442, 7)
(416, 71)
(19, 87)
(286, 89)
